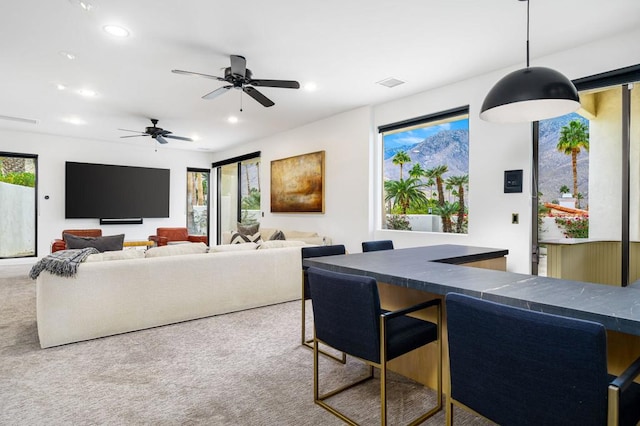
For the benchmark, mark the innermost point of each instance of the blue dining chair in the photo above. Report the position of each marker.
(347, 317)
(520, 367)
(377, 245)
(308, 252)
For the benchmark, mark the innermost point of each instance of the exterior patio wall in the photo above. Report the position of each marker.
(17, 220)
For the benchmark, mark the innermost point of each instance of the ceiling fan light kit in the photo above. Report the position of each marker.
(530, 94)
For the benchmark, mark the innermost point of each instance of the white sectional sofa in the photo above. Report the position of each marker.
(115, 296)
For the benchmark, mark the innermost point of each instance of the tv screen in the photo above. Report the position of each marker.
(115, 192)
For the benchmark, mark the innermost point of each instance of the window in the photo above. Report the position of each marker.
(238, 192)
(198, 201)
(426, 173)
(18, 205)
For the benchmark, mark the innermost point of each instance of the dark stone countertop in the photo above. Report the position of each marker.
(436, 269)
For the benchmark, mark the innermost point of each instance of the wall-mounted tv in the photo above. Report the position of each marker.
(104, 191)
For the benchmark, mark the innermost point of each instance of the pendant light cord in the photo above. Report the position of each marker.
(527, 33)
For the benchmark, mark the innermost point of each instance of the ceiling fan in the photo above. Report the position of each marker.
(156, 133)
(240, 77)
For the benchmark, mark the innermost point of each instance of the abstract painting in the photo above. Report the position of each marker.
(297, 184)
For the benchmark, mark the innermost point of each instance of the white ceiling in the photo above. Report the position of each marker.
(344, 46)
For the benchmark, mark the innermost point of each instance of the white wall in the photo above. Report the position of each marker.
(52, 153)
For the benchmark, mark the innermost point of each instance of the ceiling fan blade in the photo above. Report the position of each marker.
(134, 131)
(255, 94)
(213, 77)
(217, 92)
(181, 138)
(286, 84)
(160, 139)
(238, 65)
(134, 136)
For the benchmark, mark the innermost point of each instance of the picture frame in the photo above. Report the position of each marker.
(297, 184)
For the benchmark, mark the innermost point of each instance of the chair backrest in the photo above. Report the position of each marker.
(173, 234)
(346, 312)
(318, 251)
(377, 245)
(516, 366)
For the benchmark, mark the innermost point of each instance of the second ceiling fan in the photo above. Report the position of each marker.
(240, 77)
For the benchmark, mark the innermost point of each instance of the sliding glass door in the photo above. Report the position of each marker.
(18, 197)
(198, 201)
(588, 185)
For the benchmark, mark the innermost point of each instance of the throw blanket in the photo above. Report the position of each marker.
(63, 263)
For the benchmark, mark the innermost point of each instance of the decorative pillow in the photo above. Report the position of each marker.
(280, 244)
(278, 235)
(248, 228)
(102, 244)
(238, 238)
(178, 249)
(115, 255)
(233, 247)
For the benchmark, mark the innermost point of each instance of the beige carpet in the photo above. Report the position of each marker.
(245, 368)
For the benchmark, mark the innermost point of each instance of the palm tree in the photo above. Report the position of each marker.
(564, 189)
(460, 182)
(446, 211)
(417, 171)
(437, 173)
(574, 137)
(399, 159)
(405, 193)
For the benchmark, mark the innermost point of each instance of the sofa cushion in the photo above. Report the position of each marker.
(233, 247)
(115, 255)
(278, 235)
(102, 244)
(239, 238)
(248, 228)
(178, 249)
(279, 244)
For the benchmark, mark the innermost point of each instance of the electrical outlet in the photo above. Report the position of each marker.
(515, 218)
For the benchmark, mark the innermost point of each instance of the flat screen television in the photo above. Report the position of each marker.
(104, 191)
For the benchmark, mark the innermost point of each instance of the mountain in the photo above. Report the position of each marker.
(450, 147)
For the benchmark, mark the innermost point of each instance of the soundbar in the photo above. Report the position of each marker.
(132, 221)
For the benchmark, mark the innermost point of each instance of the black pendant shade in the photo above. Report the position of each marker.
(530, 94)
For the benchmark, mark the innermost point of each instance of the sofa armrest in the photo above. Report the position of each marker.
(58, 245)
(160, 241)
(198, 239)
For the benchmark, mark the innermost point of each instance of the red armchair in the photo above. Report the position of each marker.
(166, 235)
(59, 244)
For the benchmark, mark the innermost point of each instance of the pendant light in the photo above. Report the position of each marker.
(530, 94)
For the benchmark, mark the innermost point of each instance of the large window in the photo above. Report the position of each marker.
(18, 205)
(426, 173)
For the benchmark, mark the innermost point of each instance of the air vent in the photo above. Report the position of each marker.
(390, 82)
(19, 119)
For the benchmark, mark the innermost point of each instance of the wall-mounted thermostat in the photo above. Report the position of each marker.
(512, 181)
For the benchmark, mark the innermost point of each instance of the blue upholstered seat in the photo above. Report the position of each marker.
(520, 367)
(377, 245)
(348, 317)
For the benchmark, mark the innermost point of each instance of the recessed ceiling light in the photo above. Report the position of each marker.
(75, 121)
(195, 137)
(232, 119)
(87, 93)
(61, 86)
(116, 30)
(70, 56)
(310, 87)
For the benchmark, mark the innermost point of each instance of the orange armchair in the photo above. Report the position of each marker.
(166, 235)
(59, 244)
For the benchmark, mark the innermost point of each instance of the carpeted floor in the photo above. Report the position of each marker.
(245, 368)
